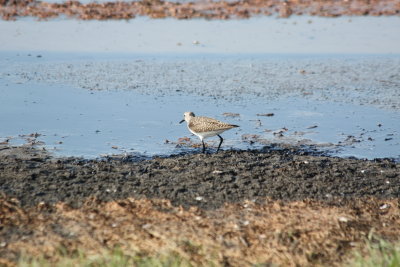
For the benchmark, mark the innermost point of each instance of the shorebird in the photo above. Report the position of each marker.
(205, 127)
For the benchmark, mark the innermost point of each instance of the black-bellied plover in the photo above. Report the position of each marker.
(205, 127)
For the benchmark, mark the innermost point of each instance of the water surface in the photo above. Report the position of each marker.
(77, 122)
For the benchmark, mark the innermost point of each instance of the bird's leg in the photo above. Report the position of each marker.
(220, 143)
(204, 147)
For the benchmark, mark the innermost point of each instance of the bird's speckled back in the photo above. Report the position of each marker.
(205, 124)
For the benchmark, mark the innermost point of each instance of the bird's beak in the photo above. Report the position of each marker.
(181, 121)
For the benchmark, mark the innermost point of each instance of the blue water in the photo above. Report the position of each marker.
(77, 122)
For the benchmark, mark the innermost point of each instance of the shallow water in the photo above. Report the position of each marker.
(76, 122)
(298, 34)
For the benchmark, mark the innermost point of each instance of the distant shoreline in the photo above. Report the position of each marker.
(12, 10)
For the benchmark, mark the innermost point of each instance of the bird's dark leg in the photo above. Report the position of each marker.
(220, 143)
(204, 147)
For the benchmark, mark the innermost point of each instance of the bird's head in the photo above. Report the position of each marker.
(187, 116)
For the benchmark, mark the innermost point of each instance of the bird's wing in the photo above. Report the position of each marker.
(205, 124)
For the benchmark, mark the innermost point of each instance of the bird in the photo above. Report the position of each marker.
(205, 127)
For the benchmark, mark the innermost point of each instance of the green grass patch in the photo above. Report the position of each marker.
(379, 253)
(114, 258)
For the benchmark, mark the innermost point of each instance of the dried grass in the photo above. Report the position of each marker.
(297, 233)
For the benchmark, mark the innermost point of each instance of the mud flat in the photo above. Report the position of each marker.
(278, 205)
(206, 181)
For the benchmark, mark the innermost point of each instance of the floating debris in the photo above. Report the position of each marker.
(312, 127)
(230, 114)
(266, 114)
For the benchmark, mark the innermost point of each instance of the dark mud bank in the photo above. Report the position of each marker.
(206, 181)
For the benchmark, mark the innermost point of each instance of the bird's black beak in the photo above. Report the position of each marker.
(181, 121)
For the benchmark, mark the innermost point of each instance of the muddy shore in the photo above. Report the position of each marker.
(11, 9)
(206, 181)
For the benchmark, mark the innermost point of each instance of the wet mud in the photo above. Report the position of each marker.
(11, 9)
(203, 180)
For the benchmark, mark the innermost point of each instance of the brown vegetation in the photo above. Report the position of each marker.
(11, 9)
(299, 233)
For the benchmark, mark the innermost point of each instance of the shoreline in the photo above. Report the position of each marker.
(203, 180)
